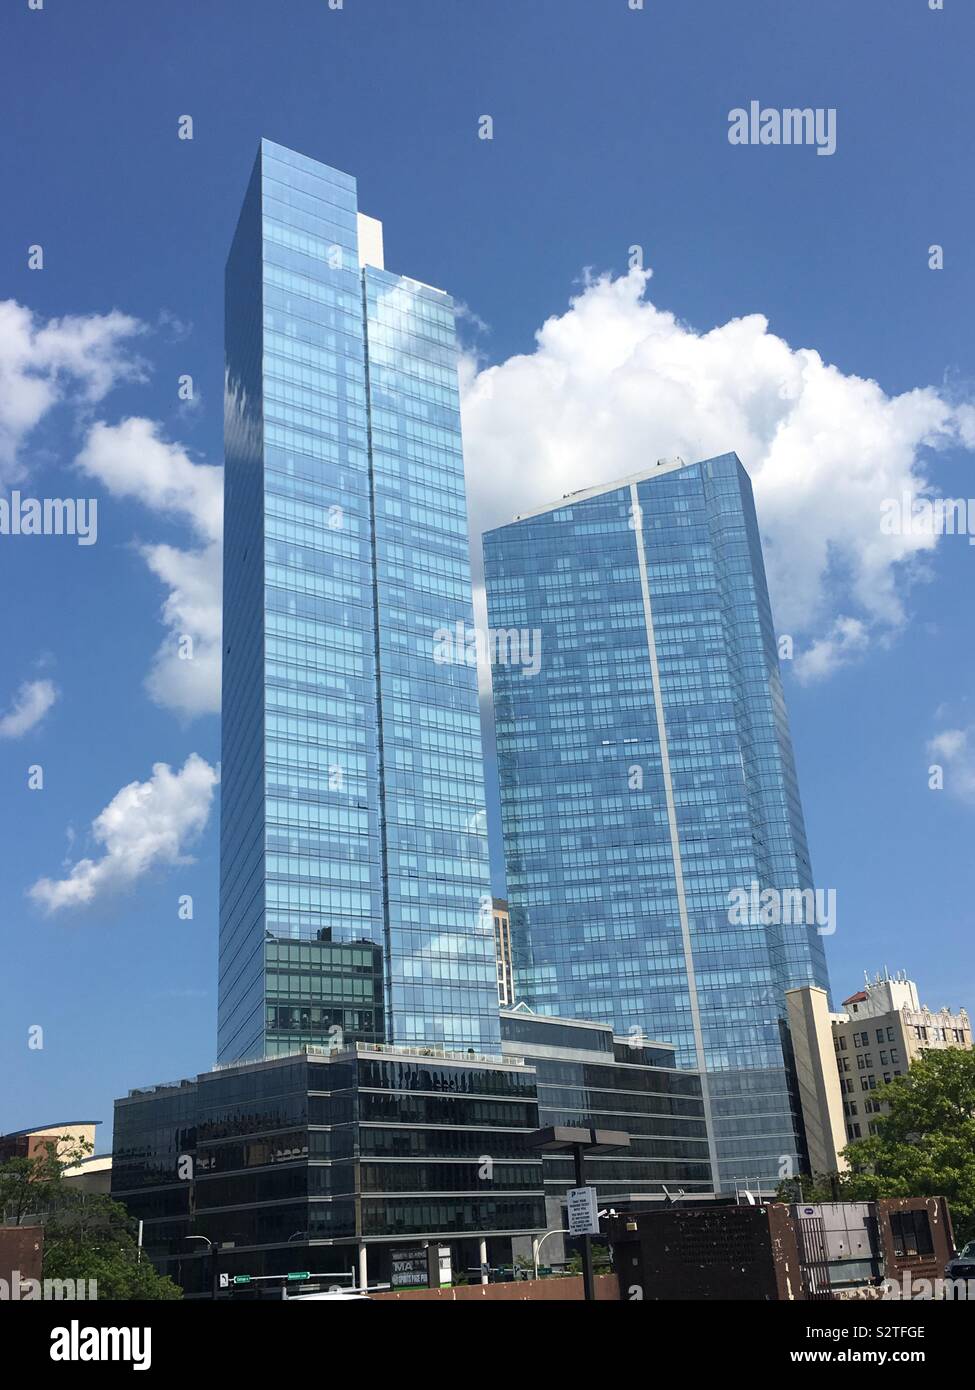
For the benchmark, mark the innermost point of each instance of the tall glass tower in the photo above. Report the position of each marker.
(354, 895)
(646, 776)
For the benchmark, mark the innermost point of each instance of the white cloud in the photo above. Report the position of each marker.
(146, 825)
(615, 383)
(846, 639)
(463, 313)
(175, 328)
(954, 749)
(31, 703)
(133, 460)
(44, 363)
(188, 684)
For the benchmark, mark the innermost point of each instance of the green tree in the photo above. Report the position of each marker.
(89, 1236)
(29, 1186)
(923, 1147)
(86, 1235)
(601, 1261)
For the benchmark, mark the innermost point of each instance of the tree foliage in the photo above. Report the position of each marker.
(86, 1235)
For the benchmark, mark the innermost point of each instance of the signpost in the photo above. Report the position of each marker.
(410, 1267)
(583, 1211)
(581, 1199)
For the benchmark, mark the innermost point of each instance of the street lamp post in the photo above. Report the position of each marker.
(588, 1273)
(211, 1266)
(579, 1142)
(537, 1244)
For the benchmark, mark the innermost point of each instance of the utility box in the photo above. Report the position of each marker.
(853, 1254)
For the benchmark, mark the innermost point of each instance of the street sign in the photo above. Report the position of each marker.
(583, 1211)
(410, 1267)
(242, 1278)
(297, 1275)
(224, 1281)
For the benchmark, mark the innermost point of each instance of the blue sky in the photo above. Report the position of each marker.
(610, 130)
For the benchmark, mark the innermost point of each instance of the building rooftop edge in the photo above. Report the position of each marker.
(387, 1050)
(342, 174)
(44, 1129)
(319, 1054)
(583, 494)
(523, 1011)
(310, 158)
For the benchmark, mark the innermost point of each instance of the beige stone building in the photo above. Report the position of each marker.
(502, 953)
(92, 1174)
(842, 1058)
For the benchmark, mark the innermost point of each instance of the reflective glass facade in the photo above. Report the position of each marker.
(298, 1162)
(352, 794)
(646, 773)
(586, 1079)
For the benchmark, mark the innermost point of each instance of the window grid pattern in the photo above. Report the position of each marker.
(592, 885)
(352, 802)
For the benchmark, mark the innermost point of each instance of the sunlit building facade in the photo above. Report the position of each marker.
(646, 776)
(355, 900)
(502, 953)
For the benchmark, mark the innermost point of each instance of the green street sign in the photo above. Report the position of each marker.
(242, 1278)
(297, 1275)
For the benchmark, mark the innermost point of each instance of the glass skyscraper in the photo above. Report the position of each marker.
(647, 775)
(354, 900)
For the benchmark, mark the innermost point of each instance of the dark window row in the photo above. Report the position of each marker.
(450, 1177)
(254, 1153)
(292, 1111)
(407, 1216)
(446, 1110)
(421, 1076)
(592, 1075)
(152, 1205)
(645, 1056)
(365, 1024)
(446, 1143)
(626, 1171)
(527, 1030)
(623, 1102)
(665, 1126)
(282, 1224)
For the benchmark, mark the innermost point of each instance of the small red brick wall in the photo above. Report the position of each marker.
(21, 1248)
(520, 1291)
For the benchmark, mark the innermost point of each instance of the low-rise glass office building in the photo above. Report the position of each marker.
(587, 1078)
(345, 1165)
(330, 1164)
